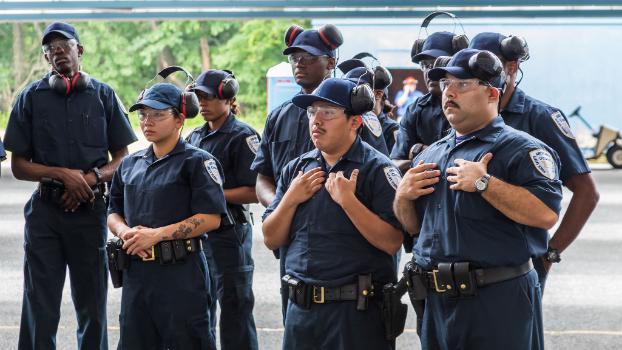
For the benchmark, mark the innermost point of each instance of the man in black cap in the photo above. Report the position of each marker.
(62, 132)
(312, 54)
(549, 125)
(424, 122)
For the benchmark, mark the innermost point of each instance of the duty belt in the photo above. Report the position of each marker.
(305, 295)
(459, 278)
(173, 251)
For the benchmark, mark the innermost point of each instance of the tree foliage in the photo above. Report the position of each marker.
(127, 55)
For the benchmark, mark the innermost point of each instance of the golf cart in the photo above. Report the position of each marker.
(608, 141)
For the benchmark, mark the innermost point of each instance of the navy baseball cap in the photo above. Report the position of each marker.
(159, 96)
(64, 29)
(334, 90)
(310, 41)
(209, 81)
(360, 75)
(458, 66)
(436, 44)
(488, 41)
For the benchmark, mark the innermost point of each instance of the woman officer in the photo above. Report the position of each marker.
(163, 199)
(228, 250)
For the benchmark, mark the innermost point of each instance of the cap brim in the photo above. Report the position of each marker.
(458, 72)
(304, 101)
(61, 32)
(434, 53)
(149, 103)
(208, 90)
(310, 49)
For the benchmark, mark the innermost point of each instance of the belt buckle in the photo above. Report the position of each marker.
(319, 300)
(436, 287)
(152, 256)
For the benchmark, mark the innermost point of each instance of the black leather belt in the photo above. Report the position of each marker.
(305, 295)
(460, 279)
(173, 251)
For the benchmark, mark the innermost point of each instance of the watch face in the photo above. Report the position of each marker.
(480, 185)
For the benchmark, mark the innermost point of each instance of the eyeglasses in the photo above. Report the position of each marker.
(154, 116)
(303, 58)
(426, 64)
(324, 113)
(461, 85)
(55, 45)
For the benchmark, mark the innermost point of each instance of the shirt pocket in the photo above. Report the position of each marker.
(93, 125)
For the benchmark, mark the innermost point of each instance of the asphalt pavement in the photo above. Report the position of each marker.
(582, 303)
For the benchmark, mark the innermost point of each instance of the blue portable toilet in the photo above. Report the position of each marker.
(281, 85)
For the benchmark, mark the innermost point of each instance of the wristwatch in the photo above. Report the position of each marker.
(552, 255)
(482, 183)
(98, 175)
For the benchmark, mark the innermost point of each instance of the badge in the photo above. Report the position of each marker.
(372, 123)
(253, 143)
(544, 163)
(393, 176)
(212, 170)
(562, 124)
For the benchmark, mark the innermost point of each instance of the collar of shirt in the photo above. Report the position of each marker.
(355, 154)
(488, 134)
(516, 103)
(148, 155)
(226, 127)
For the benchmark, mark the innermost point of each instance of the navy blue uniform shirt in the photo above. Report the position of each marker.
(234, 144)
(286, 136)
(390, 129)
(158, 192)
(2, 152)
(424, 122)
(463, 226)
(549, 125)
(75, 131)
(324, 247)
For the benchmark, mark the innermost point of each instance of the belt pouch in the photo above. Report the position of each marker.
(166, 252)
(365, 289)
(465, 280)
(179, 250)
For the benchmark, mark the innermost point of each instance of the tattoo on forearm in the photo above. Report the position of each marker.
(184, 230)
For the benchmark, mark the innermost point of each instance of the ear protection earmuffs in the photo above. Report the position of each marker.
(329, 34)
(361, 99)
(228, 87)
(515, 48)
(458, 42)
(189, 104)
(64, 86)
(441, 61)
(382, 78)
(486, 66)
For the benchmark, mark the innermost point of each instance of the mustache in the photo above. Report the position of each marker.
(318, 129)
(451, 104)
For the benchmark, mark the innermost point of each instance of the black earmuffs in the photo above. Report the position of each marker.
(458, 42)
(64, 86)
(189, 104)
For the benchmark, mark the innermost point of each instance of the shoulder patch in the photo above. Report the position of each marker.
(253, 143)
(212, 170)
(562, 124)
(372, 123)
(393, 176)
(543, 162)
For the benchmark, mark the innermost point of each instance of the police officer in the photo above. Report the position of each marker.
(480, 200)
(311, 54)
(333, 213)
(61, 131)
(162, 200)
(548, 124)
(234, 144)
(424, 122)
(375, 121)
